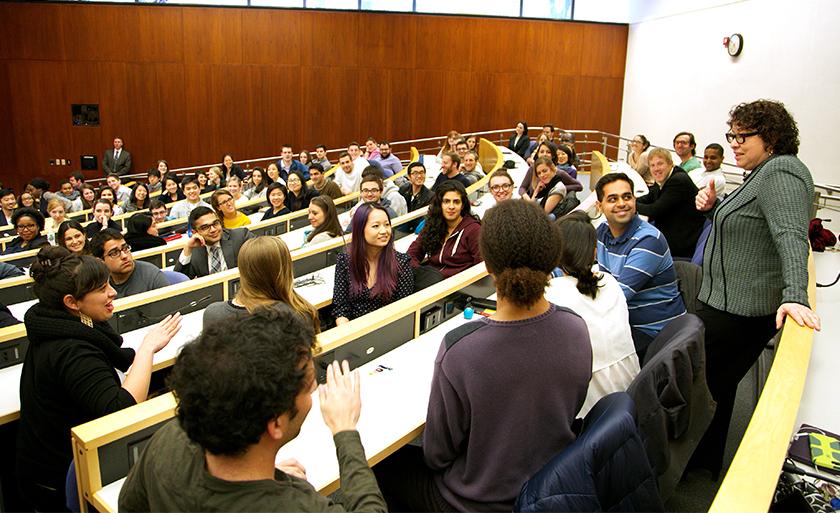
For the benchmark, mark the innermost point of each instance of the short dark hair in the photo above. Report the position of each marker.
(371, 177)
(58, 272)
(373, 170)
(153, 172)
(78, 176)
(321, 146)
(608, 179)
(6, 192)
(227, 393)
(114, 175)
(354, 143)
(385, 143)
(97, 243)
(520, 247)
(454, 157)
(156, 203)
(40, 183)
(717, 147)
(284, 146)
(190, 180)
(65, 182)
(772, 121)
(37, 216)
(198, 213)
(345, 154)
(316, 167)
(691, 141)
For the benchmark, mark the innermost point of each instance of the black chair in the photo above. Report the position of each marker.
(674, 403)
(605, 469)
(689, 277)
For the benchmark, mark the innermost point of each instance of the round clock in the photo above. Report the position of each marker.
(736, 44)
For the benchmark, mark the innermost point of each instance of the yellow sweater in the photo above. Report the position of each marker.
(238, 221)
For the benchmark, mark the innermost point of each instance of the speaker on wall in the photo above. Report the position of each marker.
(88, 162)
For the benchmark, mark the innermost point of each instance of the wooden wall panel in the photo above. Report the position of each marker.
(189, 83)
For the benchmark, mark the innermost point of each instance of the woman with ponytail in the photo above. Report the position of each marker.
(598, 298)
(265, 280)
(505, 388)
(69, 374)
(371, 274)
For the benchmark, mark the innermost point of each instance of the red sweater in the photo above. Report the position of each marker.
(459, 251)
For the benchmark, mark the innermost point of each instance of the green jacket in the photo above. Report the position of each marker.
(756, 257)
(171, 476)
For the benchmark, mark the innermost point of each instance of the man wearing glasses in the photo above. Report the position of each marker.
(127, 276)
(415, 192)
(211, 249)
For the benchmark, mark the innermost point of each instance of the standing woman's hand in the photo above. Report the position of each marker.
(801, 314)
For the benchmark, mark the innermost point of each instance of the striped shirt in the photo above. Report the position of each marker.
(640, 261)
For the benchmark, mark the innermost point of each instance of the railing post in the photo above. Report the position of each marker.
(604, 144)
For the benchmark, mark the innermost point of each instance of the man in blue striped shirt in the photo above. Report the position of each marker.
(637, 255)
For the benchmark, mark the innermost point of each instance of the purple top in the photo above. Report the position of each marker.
(503, 399)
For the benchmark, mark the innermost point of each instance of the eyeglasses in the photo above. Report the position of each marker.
(501, 187)
(27, 227)
(416, 173)
(116, 252)
(739, 138)
(205, 227)
(225, 202)
(370, 191)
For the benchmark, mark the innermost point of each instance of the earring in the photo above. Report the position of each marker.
(86, 320)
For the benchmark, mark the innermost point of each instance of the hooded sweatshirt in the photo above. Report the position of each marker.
(459, 250)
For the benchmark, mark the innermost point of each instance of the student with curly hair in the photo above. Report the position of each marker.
(448, 243)
(478, 446)
(238, 404)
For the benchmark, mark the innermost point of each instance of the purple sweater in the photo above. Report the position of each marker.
(503, 398)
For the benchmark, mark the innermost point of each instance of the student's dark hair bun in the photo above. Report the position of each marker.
(48, 261)
(57, 272)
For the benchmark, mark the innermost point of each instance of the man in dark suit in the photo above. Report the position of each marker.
(118, 160)
(670, 206)
(211, 249)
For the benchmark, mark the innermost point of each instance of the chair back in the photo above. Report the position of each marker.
(174, 277)
(71, 490)
(674, 403)
(689, 277)
(592, 473)
(697, 258)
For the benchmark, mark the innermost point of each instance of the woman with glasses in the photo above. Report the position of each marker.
(225, 206)
(299, 194)
(755, 266)
(29, 223)
(501, 186)
(73, 369)
(371, 273)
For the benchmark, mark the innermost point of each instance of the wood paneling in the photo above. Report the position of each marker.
(189, 83)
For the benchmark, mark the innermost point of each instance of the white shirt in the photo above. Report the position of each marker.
(701, 178)
(614, 360)
(348, 181)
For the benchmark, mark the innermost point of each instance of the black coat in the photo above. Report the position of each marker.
(523, 147)
(671, 209)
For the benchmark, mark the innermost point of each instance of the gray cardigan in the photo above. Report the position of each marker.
(756, 257)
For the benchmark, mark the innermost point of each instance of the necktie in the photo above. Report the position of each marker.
(116, 154)
(215, 259)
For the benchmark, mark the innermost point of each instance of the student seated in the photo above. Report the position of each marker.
(172, 190)
(128, 277)
(224, 204)
(299, 193)
(549, 191)
(448, 243)
(71, 236)
(370, 192)
(276, 201)
(143, 233)
(501, 186)
(211, 249)
(259, 183)
(323, 186)
(29, 223)
(414, 192)
(505, 389)
(598, 298)
(370, 274)
(69, 372)
(670, 204)
(154, 177)
(192, 191)
(102, 214)
(220, 456)
(57, 214)
(138, 199)
(390, 192)
(549, 151)
(265, 279)
(450, 169)
(108, 194)
(637, 256)
(323, 219)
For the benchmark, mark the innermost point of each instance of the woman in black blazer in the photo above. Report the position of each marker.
(519, 141)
